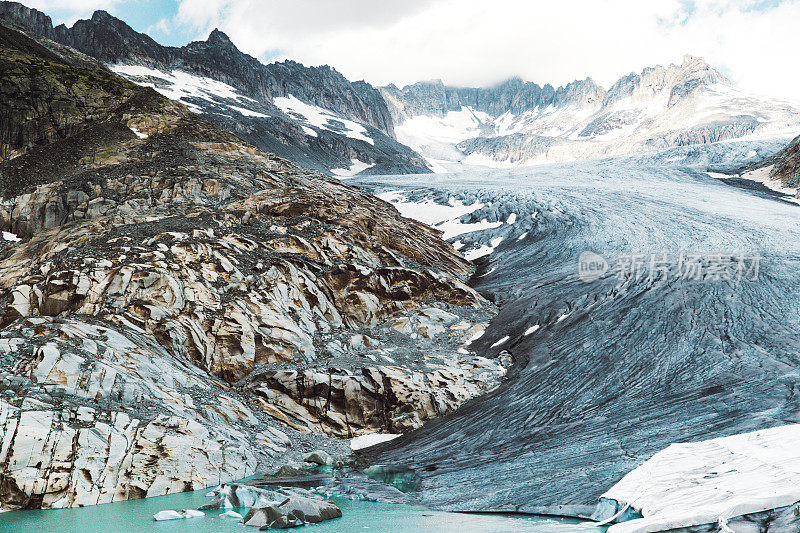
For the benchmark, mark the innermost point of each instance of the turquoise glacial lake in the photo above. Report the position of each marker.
(136, 516)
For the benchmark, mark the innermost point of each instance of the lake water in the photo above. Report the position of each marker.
(136, 516)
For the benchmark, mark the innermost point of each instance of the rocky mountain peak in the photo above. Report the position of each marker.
(102, 16)
(28, 18)
(219, 38)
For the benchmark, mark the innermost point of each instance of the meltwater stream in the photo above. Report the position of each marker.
(686, 329)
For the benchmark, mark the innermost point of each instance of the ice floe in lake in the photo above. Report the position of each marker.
(177, 515)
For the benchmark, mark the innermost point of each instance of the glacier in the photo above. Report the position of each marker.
(611, 372)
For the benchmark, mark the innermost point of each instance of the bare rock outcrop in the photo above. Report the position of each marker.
(184, 310)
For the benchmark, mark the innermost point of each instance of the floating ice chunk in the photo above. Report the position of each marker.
(177, 515)
(364, 441)
(231, 514)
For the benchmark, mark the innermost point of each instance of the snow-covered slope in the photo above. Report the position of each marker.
(312, 116)
(297, 130)
(521, 123)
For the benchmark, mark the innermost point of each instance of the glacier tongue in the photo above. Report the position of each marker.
(711, 481)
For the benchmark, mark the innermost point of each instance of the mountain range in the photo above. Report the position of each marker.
(312, 116)
(521, 122)
(315, 117)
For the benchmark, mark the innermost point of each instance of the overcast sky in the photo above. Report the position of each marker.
(480, 42)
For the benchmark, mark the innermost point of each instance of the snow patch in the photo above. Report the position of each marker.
(356, 167)
(499, 342)
(138, 133)
(454, 127)
(718, 175)
(8, 236)
(180, 85)
(322, 118)
(486, 249)
(442, 217)
(248, 112)
(371, 439)
(762, 176)
(532, 329)
(475, 337)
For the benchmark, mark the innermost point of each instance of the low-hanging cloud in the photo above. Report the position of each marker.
(474, 42)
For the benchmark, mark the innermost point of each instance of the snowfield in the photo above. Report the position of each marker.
(182, 86)
(322, 118)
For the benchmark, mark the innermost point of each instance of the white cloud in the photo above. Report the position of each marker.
(475, 42)
(69, 11)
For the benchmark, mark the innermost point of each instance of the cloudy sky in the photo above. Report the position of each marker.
(480, 42)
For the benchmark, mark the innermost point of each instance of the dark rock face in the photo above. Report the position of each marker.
(110, 40)
(514, 95)
(787, 165)
(40, 105)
